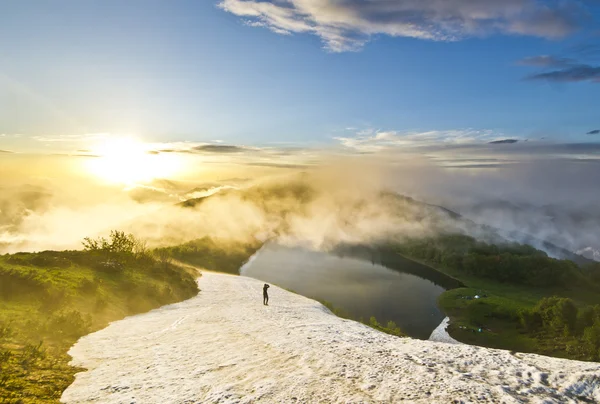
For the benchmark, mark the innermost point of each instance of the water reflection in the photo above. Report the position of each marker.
(360, 287)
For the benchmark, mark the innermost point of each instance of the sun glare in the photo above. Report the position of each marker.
(126, 160)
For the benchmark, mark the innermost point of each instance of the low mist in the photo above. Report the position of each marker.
(348, 200)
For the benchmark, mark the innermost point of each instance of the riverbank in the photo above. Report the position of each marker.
(489, 313)
(224, 345)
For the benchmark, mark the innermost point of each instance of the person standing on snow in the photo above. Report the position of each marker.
(265, 295)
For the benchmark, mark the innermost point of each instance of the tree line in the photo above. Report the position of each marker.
(508, 263)
(560, 320)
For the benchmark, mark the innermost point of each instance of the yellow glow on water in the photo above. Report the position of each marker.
(126, 160)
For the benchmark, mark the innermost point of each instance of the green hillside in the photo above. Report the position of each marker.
(50, 299)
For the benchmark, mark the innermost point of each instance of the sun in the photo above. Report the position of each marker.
(126, 160)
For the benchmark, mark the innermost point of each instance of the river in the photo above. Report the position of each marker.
(357, 283)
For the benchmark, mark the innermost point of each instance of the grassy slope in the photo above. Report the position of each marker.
(497, 314)
(53, 298)
(50, 299)
(213, 254)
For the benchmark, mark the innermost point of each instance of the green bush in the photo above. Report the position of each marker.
(89, 285)
(17, 260)
(52, 299)
(530, 320)
(69, 324)
(30, 354)
(389, 328)
(6, 330)
(15, 282)
(48, 259)
(586, 318)
(591, 339)
(558, 314)
(5, 356)
(116, 251)
(559, 323)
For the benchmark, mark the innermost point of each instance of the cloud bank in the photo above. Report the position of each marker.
(545, 190)
(347, 25)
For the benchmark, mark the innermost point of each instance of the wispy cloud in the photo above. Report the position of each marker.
(346, 25)
(547, 61)
(560, 69)
(594, 132)
(260, 156)
(371, 140)
(467, 148)
(220, 148)
(280, 165)
(231, 150)
(570, 74)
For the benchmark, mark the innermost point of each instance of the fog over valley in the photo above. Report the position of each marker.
(327, 198)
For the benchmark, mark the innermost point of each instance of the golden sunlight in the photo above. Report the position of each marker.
(126, 160)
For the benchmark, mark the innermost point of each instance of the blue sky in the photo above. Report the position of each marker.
(263, 72)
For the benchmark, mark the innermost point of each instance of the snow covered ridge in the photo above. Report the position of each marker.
(225, 346)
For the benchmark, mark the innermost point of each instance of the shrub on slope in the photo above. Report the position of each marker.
(212, 254)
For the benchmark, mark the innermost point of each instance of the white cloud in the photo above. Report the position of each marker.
(371, 140)
(346, 25)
